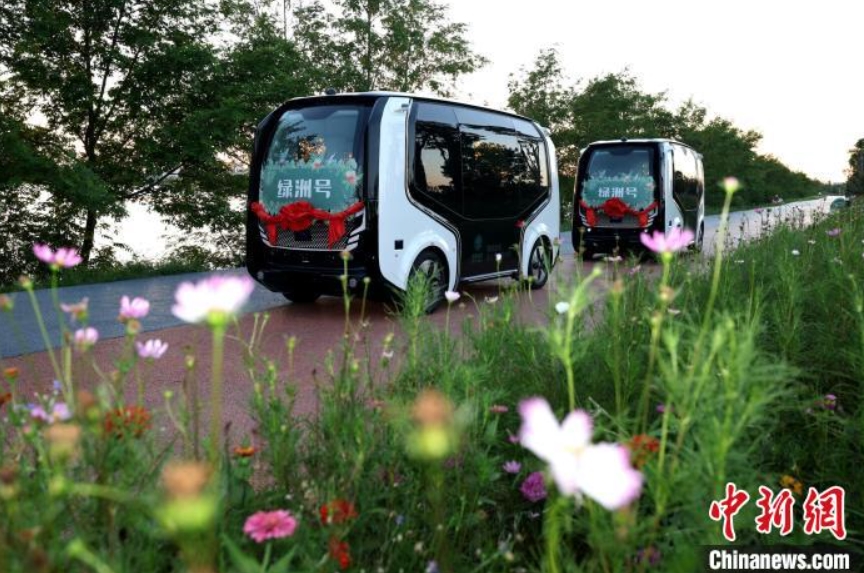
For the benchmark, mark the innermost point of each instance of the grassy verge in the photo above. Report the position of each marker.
(119, 272)
(745, 369)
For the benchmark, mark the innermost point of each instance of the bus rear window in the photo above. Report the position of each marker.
(313, 157)
(624, 172)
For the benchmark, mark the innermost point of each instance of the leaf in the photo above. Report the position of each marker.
(241, 561)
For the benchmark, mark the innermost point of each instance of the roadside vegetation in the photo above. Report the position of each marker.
(432, 452)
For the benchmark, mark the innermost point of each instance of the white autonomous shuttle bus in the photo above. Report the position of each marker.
(628, 187)
(406, 185)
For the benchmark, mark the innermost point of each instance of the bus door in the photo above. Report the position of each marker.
(504, 177)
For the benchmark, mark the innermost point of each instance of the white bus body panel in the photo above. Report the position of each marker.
(547, 223)
(398, 217)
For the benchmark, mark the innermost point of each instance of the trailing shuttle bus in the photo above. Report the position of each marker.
(628, 187)
(407, 185)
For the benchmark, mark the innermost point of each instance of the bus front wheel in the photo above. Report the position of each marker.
(539, 265)
(301, 295)
(429, 273)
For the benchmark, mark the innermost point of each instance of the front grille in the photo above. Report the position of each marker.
(315, 237)
(625, 222)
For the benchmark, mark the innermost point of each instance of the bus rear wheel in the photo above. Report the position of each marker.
(430, 270)
(539, 265)
(301, 295)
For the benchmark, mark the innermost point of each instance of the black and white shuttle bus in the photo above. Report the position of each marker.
(407, 185)
(628, 187)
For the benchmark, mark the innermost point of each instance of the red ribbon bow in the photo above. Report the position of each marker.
(299, 216)
(615, 208)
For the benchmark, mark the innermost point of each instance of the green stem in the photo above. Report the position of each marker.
(552, 533)
(44, 333)
(656, 329)
(267, 552)
(216, 391)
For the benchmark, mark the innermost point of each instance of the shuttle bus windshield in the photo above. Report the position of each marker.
(624, 172)
(313, 157)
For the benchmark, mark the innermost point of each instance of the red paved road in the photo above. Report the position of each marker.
(318, 327)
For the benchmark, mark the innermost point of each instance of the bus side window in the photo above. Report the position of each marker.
(493, 166)
(436, 169)
(535, 180)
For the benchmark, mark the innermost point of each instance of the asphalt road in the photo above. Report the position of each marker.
(21, 335)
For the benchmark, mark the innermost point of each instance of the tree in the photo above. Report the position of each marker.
(541, 94)
(615, 106)
(111, 78)
(401, 45)
(855, 182)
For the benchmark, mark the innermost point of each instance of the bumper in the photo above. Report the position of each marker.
(602, 239)
(326, 280)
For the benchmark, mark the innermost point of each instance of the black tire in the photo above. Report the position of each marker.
(432, 266)
(699, 243)
(539, 265)
(301, 295)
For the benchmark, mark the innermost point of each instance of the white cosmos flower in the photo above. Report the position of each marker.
(451, 296)
(214, 299)
(599, 471)
(562, 307)
(795, 252)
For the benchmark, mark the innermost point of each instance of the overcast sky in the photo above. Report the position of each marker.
(792, 70)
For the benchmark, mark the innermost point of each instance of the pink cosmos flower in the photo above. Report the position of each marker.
(214, 299)
(534, 487)
(78, 310)
(266, 525)
(600, 471)
(660, 243)
(133, 309)
(499, 409)
(64, 257)
(512, 467)
(59, 413)
(84, 338)
(834, 232)
(153, 348)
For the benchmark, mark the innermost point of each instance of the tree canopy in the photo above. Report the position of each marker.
(614, 105)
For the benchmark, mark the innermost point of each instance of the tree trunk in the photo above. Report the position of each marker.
(89, 235)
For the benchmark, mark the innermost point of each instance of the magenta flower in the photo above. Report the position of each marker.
(600, 471)
(133, 309)
(84, 338)
(512, 467)
(62, 258)
(214, 299)
(834, 232)
(534, 487)
(663, 244)
(153, 348)
(266, 525)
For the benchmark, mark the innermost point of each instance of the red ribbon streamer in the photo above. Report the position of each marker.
(299, 216)
(615, 208)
